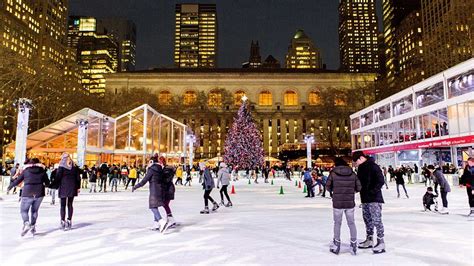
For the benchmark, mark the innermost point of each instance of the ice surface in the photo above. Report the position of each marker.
(263, 228)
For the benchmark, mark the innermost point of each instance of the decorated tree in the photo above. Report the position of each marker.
(243, 145)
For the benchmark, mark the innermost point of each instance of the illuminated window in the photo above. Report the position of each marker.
(265, 98)
(340, 99)
(164, 98)
(238, 98)
(290, 98)
(190, 98)
(214, 99)
(314, 98)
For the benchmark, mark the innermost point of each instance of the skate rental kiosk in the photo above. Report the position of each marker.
(431, 122)
(92, 138)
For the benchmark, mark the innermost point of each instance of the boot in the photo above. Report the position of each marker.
(163, 225)
(215, 207)
(368, 243)
(444, 211)
(335, 246)
(33, 229)
(26, 228)
(68, 225)
(63, 225)
(471, 214)
(171, 221)
(222, 203)
(380, 247)
(407, 196)
(205, 211)
(354, 247)
(229, 204)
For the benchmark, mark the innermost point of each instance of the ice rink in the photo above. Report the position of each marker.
(263, 228)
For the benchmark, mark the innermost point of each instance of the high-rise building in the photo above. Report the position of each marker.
(195, 36)
(125, 33)
(394, 12)
(302, 53)
(409, 49)
(255, 60)
(448, 30)
(96, 52)
(271, 62)
(358, 42)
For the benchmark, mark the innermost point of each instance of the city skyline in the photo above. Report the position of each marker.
(240, 22)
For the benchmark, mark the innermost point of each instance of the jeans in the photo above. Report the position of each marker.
(337, 215)
(66, 201)
(224, 191)
(93, 187)
(156, 214)
(28, 203)
(103, 183)
(372, 213)
(84, 183)
(113, 183)
(398, 191)
(207, 197)
(444, 198)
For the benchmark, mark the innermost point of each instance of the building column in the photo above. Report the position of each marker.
(274, 138)
(291, 131)
(24, 105)
(81, 141)
(266, 137)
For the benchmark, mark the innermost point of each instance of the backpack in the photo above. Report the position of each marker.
(54, 183)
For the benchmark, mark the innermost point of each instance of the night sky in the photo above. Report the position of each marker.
(272, 22)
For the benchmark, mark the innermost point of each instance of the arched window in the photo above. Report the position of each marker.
(314, 98)
(340, 99)
(214, 99)
(238, 98)
(190, 98)
(164, 98)
(265, 98)
(290, 98)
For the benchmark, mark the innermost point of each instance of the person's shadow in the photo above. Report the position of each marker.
(77, 226)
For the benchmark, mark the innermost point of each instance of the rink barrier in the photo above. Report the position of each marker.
(5, 181)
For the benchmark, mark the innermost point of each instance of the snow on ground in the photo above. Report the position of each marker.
(263, 228)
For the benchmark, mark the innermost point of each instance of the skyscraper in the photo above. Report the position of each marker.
(448, 30)
(195, 36)
(394, 12)
(302, 53)
(125, 33)
(358, 42)
(255, 60)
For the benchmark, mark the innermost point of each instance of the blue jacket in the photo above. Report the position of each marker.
(307, 176)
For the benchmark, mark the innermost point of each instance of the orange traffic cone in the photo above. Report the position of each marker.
(233, 190)
(299, 184)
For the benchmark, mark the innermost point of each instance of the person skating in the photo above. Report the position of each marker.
(189, 177)
(93, 179)
(103, 172)
(69, 182)
(53, 188)
(343, 183)
(371, 179)
(223, 177)
(400, 182)
(132, 177)
(154, 178)
(467, 179)
(114, 172)
(168, 191)
(308, 180)
(439, 179)
(429, 199)
(207, 185)
(124, 172)
(266, 172)
(85, 177)
(35, 180)
(179, 175)
(13, 173)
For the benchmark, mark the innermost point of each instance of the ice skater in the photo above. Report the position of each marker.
(439, 179)
(343, 183)
(93, 179)
(429, 199)
(35, 180)
(114, 178)
(308, 180)
(400, 182)
(154, 176)
(207, 185)
(68, 180)
(168, 189)
(103, 172)
(467, 179)
(223, 177)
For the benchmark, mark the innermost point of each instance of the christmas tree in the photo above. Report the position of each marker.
(243, 145)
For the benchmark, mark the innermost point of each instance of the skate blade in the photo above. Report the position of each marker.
(379, 252)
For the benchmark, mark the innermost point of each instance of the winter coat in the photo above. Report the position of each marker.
(103, 170)
(428, 198)
(439, 179)
(372, 180)
(93, 175)
(34, 180)
(167, 183)
(223, 176)
(133, 173)
(69, 181)
(467, 177)
(399, 178)
(343, 183)
(154, 176)
(208, 181)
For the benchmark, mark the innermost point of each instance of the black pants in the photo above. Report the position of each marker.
(103, 183)
(134, 180)
(470, 197)
(207, 197)
(324, 192)
(309, 189)
(67, 201)
(179, 180)
(224, 191)
(444, 198)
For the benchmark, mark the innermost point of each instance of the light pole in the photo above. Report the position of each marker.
(190, 138)
(81, 141)
(309, 140)
(24, 106)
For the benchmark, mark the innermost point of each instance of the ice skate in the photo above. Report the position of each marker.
(407, 196)
(444, 211)
(368, 243)
(171, 222)
(205, 211)
(354, 247)
(26, 228)
(62, 226)
(155, 226)
(68, 225)
(163, 225)
(221, 203)
(215, 207)
(335, 246)
(33, 230)
(380, 247)
(229, 204)
(471, 214)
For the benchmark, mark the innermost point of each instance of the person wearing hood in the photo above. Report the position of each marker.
(223, 177)
(68, 180)
(343, 183)
(308, 180)
(154, 176)
(467, 179)
(35, 180)
(372, 180)
(439, 179)
(207, 185)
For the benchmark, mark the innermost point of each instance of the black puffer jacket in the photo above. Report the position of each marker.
(69, 181)
(167, 184)
(343, 183)
(34, 179)
(154, 175)
(372, 180)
